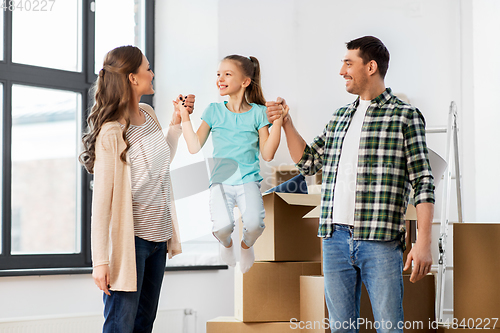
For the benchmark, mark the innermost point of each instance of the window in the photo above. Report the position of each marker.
(41, 45)
(45, 175)
(119, 19)
(48, 61)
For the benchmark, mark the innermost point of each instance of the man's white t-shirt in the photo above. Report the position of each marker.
(345, 186)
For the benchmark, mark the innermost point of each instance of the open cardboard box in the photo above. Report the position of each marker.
(289, 237)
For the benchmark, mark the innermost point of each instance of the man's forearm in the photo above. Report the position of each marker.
(425, 215)
(295, 142)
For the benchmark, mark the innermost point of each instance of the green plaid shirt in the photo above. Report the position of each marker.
(392, 158)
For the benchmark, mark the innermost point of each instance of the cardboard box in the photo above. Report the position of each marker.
(289, 237)
(418, 305)
(313, 310)
(270, 291)
(476, 272)
(232, 325)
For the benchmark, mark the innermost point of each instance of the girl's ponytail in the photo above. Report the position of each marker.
(254, 90)
(251, 68)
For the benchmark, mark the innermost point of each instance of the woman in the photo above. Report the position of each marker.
(133, 214)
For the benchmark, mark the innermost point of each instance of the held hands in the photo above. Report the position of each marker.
(101, 278)
(183, 107)
(277, 110)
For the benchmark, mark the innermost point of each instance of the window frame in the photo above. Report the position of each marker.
(79, 82)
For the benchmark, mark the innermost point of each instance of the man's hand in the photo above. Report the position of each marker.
(421, 256)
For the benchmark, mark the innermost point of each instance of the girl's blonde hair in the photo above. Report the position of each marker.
(251, 68)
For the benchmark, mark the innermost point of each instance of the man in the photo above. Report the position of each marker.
(371, 152)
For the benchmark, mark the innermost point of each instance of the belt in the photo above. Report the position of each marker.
(345, 225)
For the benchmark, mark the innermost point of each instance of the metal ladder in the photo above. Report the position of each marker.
(452, 140)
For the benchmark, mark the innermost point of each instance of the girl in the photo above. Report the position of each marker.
(239, 129)
(133, 213)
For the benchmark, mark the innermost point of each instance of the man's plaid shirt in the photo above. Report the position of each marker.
(392, 158)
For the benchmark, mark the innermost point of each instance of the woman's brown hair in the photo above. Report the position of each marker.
(112, 96)
(251, 68)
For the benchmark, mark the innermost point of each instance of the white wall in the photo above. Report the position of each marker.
(300, 45)
(486, 111)
(73, 295)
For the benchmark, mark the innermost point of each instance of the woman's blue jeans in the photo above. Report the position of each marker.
(136, 311)
(379, 265)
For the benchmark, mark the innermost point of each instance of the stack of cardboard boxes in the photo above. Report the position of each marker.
(284, 289)
(267, 298)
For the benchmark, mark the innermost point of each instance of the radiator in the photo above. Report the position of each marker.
(167, 321)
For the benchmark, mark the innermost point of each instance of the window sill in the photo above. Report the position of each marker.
(88, 270)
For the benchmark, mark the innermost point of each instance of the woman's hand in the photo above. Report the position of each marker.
(183, 107)
(101, 278)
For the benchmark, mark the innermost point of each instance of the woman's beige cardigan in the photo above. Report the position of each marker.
(112, 230)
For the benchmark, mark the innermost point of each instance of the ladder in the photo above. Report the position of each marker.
(451, 149)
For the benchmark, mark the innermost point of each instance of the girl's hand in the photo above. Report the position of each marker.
(277, 110)
(176, 118)
(274, 111)
(101, 278)
(278, 122)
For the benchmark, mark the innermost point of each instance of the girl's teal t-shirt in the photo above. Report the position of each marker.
(235, 138)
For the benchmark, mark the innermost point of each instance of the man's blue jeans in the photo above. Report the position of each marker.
(379, 265)
(136, 311)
